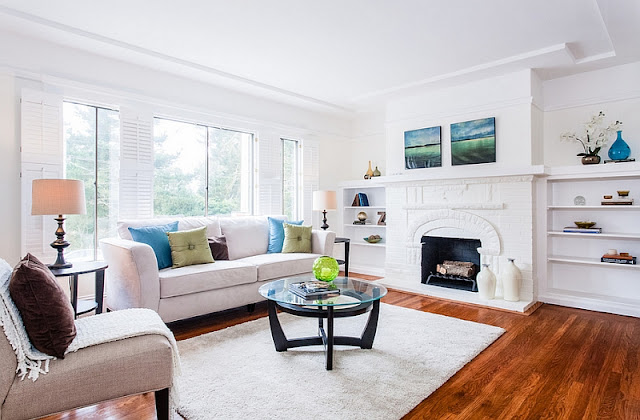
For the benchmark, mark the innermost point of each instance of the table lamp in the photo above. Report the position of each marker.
(58, 197)
(323, 201)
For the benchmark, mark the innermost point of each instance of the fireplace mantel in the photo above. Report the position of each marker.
(481, 172)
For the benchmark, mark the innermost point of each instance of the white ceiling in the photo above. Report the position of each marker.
(341, 55)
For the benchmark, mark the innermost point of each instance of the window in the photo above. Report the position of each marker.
(230, 172)
(179, 168)
(200, 170)
(290, 179)
(91, 154)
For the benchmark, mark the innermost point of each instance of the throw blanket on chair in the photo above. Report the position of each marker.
(91, 331)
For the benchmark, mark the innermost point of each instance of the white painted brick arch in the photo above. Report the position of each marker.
(470, 225)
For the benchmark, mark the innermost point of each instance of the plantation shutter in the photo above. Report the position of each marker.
(41, 156)
(136, 164)
(310, 168)
(269, 180)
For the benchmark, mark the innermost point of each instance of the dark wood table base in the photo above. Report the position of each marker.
(324, 337)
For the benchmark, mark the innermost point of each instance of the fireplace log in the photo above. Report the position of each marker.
(457, 268)
(460, 263)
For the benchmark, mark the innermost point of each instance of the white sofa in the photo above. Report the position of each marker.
(134, 281)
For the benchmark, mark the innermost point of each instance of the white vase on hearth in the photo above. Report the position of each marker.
(486, 281)
(511, 279)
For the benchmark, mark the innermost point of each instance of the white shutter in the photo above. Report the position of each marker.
(136, 164)
(310, 176)
(41, 155)
(269, 181)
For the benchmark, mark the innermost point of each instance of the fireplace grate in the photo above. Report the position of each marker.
(452, 282)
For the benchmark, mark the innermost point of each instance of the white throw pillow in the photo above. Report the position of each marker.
(246, 236)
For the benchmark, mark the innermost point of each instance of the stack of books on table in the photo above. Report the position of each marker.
(618, 259)
(314, 290)
(573, 229)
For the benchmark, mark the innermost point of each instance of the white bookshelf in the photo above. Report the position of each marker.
(364, 257)
(574, 274)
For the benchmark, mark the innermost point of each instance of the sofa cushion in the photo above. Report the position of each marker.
(218, 247)
(46, 311)
(273, 266)
(246, 236)
(156, 238)
(184, 223)
(190, 247)
(296, 238)
(203, 277)
(276, 234)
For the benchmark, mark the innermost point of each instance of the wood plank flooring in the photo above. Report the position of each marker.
(557, 363)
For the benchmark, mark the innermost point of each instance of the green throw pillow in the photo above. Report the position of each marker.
(296, 238)
(189, 247)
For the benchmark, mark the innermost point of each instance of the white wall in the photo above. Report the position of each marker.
(571, 101)
(508, 98)
(368, 144)
(9, 170)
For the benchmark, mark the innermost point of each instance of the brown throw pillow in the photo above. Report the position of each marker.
(45, 309)
(218, 245)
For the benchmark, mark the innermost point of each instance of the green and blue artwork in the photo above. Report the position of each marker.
(422, 148)
(473, 142)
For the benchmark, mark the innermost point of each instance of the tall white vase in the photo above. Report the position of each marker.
(486, 283)
(511, 279)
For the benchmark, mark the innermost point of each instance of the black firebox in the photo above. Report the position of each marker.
(436, 250)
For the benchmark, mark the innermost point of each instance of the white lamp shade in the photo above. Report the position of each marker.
(324, 200)
(57, 196)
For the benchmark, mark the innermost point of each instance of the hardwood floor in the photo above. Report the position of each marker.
(557, 363)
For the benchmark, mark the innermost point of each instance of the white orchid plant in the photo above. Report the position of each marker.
(596, 135)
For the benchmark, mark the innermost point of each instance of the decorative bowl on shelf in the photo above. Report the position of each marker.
(585, 225)
(373, 239)
(623, 193)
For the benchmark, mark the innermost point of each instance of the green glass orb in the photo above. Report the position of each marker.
(325, 268)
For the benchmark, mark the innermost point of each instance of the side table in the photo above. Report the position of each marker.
(346, 242)
(83, 267)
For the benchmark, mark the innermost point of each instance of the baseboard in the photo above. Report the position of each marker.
(372, 271)
(591, 304)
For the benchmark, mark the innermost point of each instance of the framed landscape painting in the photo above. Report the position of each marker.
(473, 142)
(422, 148)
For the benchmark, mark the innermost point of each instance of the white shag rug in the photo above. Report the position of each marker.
(236, 373)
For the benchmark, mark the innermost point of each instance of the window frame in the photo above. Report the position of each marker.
(96, 177)
(251, 161)
(297, 214)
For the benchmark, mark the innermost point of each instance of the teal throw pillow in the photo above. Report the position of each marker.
(276, 234)
(156, 238)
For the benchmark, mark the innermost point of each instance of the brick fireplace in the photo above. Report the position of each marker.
(496, 211)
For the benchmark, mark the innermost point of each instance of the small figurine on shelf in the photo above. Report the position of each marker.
(369, 173)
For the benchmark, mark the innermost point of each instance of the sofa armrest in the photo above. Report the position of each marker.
(132, 277)
(322, 242)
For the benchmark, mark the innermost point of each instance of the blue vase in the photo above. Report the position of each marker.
(619, 150)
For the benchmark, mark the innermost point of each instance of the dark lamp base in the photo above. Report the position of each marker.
(55, 266)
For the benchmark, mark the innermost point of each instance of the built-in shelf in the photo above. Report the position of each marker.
(582, 173)
(378, 245)
(575, 275)
(590, 261)
(364, 257)
(597, 235)
(605, 207)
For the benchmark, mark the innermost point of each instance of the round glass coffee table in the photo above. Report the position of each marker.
(356, 298)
